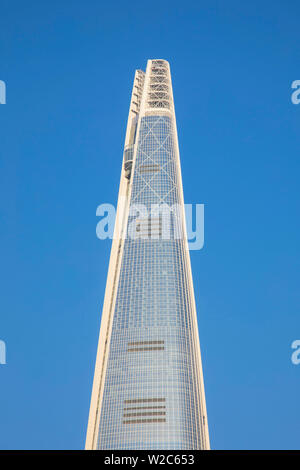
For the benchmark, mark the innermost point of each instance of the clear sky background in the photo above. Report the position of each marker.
(69, 67)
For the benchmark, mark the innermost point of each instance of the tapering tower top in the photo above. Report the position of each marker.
(157, 96)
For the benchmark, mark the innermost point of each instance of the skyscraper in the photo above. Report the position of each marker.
(148, 390)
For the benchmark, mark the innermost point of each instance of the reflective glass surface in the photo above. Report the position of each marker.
(151, 392)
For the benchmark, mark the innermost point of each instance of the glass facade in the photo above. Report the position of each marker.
(151, 388)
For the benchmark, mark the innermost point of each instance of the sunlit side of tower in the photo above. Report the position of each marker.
(148, 390)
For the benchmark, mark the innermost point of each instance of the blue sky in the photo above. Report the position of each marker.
(69, 67)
